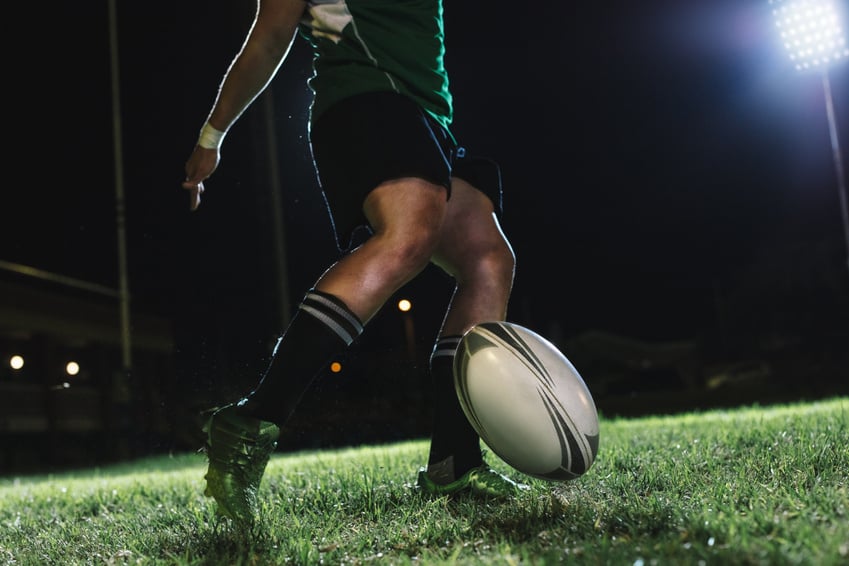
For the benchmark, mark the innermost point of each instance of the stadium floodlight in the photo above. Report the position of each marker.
(813, 34)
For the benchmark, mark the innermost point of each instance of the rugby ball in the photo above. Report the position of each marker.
(527, 401)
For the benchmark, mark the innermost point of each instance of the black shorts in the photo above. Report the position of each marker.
(371, 138)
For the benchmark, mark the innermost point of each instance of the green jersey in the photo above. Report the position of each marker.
(378, 45)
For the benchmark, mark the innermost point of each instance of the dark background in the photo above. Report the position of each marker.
(669, 181)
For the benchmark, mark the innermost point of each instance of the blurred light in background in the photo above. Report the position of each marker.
(811, 31)
(814, 38)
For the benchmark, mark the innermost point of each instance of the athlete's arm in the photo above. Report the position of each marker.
(264, 50)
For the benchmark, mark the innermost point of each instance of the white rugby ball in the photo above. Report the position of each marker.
(527, 401)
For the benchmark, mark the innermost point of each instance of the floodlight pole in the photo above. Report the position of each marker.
(120, 203)
(838, 158)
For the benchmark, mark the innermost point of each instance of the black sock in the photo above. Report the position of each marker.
(452, 434)
(321, 328)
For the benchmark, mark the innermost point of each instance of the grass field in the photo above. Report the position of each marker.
(755, 485)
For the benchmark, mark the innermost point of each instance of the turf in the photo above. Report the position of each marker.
(753, 485)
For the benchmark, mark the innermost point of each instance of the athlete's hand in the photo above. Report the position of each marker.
(201, 164)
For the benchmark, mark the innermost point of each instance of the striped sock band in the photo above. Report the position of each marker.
(333, 313)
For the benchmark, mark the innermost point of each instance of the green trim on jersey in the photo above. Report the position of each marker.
(378, 45)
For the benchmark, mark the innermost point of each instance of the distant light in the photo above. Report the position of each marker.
(72, 368)
(16, 362)
(404, 305)
(811, 32)
(335, 367)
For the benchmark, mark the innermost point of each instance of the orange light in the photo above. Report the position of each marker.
(335, 367)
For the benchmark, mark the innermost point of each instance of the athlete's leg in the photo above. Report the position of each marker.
(407, 218)
(474, 250)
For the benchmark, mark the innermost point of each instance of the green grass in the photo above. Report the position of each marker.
(746, 486)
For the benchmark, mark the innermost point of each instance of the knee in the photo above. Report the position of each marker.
(495, 263)
(500, 261)
(408, 256)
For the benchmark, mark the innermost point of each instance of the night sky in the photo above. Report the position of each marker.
(653, 154)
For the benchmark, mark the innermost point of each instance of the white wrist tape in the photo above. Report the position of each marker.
(210, 138)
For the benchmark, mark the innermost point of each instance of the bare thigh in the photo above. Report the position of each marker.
(470, 230)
